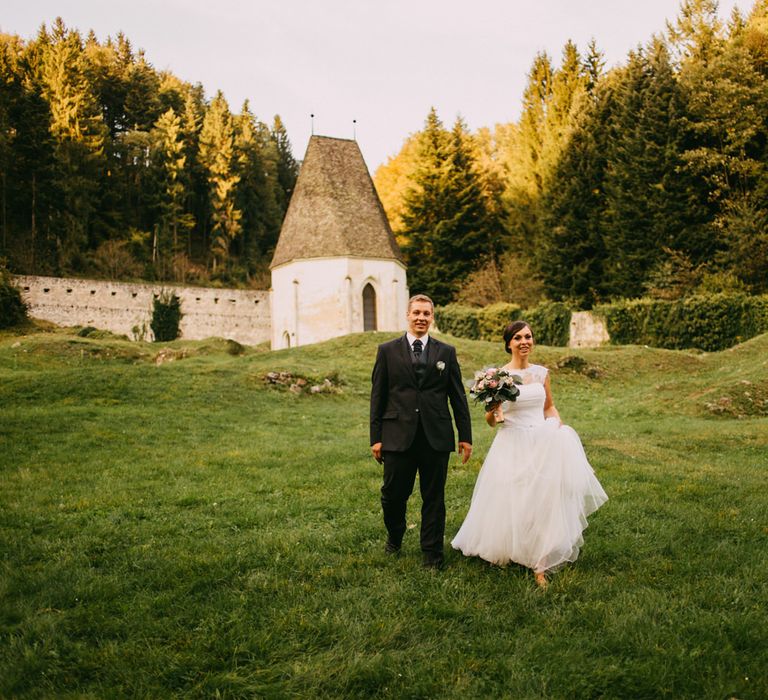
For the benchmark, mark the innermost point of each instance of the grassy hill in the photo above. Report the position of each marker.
(173, 524)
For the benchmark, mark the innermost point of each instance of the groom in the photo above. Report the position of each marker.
(414, 378)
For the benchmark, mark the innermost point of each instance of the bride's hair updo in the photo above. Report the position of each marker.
(511, 330)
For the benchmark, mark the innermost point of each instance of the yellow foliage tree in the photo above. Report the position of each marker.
(394, 179)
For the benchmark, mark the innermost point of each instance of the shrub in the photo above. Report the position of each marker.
(113, 260)
(493, 319)
(166, 316)
(87, 331)
(550, 322)
(625, 320)
(13, 310)
(234, 348)
(708, 322)
(457, 320)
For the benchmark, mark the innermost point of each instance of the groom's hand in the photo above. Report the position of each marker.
(465, 450)
(376, 451)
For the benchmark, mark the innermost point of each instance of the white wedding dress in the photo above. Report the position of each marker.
(535, 489)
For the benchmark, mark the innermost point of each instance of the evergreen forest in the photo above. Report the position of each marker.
(648, 179)
(110, 168)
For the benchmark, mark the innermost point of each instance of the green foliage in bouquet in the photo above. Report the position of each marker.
(493, 386)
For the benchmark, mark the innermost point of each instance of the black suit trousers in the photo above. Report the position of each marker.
(400, 470)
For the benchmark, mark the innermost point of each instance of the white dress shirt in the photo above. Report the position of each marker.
(424, 340)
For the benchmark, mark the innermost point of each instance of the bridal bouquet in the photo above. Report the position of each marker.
(492, 386)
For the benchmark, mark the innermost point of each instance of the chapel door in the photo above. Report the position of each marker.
(369, 308)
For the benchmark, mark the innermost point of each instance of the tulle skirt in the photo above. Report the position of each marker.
(531, 499)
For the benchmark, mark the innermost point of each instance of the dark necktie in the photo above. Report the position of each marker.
(418, 346)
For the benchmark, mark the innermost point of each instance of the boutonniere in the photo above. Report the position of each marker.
(440, 366)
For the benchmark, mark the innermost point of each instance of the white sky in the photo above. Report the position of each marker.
(381, 62)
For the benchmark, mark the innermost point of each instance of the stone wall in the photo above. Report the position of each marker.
(241, 315)
(587, 331)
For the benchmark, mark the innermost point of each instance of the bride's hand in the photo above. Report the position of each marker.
(494, 415)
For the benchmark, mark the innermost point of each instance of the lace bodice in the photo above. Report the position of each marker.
(528, 410)
(533, 374)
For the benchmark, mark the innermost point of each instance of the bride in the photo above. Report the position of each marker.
(536, 487)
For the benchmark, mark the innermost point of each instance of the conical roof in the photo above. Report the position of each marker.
(334, 210)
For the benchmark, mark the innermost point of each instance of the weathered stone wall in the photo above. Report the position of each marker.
(119, 307)
(587, 331)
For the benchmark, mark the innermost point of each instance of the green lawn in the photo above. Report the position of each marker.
(187, 530)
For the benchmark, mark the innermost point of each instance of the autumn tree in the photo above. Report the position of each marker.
(217, 155)
(78, 131)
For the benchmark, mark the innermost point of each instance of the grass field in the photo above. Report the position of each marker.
(186, 529)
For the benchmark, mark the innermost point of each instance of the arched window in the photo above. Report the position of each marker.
(369, 308)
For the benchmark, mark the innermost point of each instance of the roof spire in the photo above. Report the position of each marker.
(334, 210)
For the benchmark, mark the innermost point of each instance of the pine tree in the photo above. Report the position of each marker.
(449, 226)
(696, 36)
(649, 203)
(170, 160)
(287, 167)
(524, 155)
(107, 69)
(594, 66)
(742, 219)
(257, 191)
(10, 96)
(727, 98)
(197, 193)
(29, 194)
(217, 155)
(142, 98)
(78, 131)
(474, 227)
(424, 209)
(570, 249)
(568, 88)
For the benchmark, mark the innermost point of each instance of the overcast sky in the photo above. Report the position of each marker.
(381, 62)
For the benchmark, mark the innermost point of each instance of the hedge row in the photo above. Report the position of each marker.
(707, 322)
(549, 321)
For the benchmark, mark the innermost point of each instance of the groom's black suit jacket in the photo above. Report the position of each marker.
(399, 401)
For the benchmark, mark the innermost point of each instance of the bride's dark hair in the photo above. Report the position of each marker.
(511, 329)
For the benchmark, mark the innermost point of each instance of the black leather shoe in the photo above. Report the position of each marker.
(433, 562)
(391, 548)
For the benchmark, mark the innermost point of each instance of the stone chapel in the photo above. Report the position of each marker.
(337, 268)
